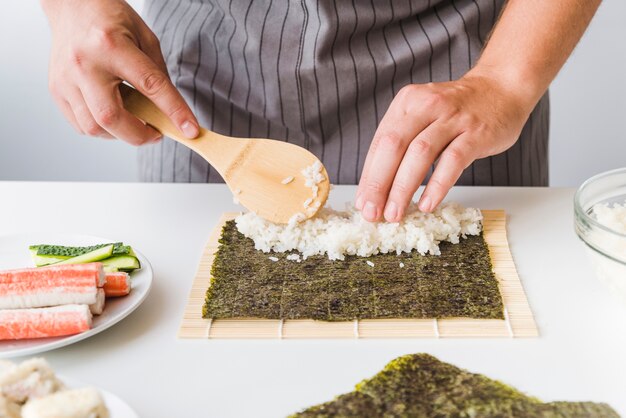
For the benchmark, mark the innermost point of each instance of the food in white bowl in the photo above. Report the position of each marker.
(32, 390)
(74, 403)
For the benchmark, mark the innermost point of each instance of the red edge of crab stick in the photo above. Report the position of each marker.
(117, 284)
(96, 269)
(50, 286)
(57, 321)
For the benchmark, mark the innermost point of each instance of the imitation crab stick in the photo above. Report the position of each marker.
(57, 321)
(50, 286)
(117, 284)
(98, 307)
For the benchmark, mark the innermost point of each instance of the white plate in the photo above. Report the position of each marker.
(14, 253)
(117, 407)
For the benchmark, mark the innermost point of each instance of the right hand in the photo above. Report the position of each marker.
(97, 44)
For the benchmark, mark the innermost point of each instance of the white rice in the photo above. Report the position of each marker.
(338, 234)
(312, 177)
(612, 246)
(369, 263)
(273, 258)
(613, 217)
(235, 194)
(294, 257)
(287, 180)
(313, 174)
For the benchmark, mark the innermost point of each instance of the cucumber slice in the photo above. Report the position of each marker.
(122, 263)
(46, 261)
(60, 251)
(90, 257)
(33, 252)
(43, 261)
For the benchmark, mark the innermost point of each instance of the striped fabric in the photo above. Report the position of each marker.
(321, 74)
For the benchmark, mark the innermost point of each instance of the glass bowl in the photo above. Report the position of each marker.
(606, 246)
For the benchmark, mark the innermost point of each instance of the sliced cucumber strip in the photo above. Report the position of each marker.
(43, 261)
(122, 262)
(33, 252)
(90, 257)
(60, 251)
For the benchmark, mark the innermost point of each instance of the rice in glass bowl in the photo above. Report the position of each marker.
(600, 222)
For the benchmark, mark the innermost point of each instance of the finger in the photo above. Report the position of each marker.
(105, 104)
(66, 109)
(419, 156)
(454, 159)
(148, 42)
(150, 45)
(84, 118)
(400, 121)
(383, 165)
(146, 77)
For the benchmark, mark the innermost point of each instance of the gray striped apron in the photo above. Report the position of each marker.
(321, 74)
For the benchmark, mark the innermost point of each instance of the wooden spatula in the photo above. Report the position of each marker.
(258, 171)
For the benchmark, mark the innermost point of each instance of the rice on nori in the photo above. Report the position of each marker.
(340, 233)
(457, 283)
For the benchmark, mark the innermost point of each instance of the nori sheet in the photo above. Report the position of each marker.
(247, 284)
(419, 385)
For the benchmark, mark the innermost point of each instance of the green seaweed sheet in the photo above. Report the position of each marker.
(421, 386)
(246, 283)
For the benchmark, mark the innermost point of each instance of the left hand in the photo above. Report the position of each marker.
(455, 122)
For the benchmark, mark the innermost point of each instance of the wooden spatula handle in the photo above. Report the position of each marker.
(218, 150)
(142, 107)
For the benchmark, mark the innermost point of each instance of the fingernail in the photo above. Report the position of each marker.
(359, 202)
(189, 129)
(391, 211)
(370, 211)
(425, 204)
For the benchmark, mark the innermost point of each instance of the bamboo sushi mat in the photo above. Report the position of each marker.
(518, 322)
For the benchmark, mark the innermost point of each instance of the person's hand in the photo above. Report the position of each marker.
(455, 122)
(97, 44)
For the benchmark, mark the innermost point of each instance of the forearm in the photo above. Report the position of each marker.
(531, 42)
(50, 7)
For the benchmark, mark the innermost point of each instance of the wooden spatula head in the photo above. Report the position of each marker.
(267, 178)
(255, 169)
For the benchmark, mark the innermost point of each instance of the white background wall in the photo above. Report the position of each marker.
(588, 107)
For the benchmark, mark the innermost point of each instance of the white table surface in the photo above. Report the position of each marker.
(580, 355)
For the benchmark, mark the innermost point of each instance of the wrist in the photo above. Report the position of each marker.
(525, 89)
(50, 7)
